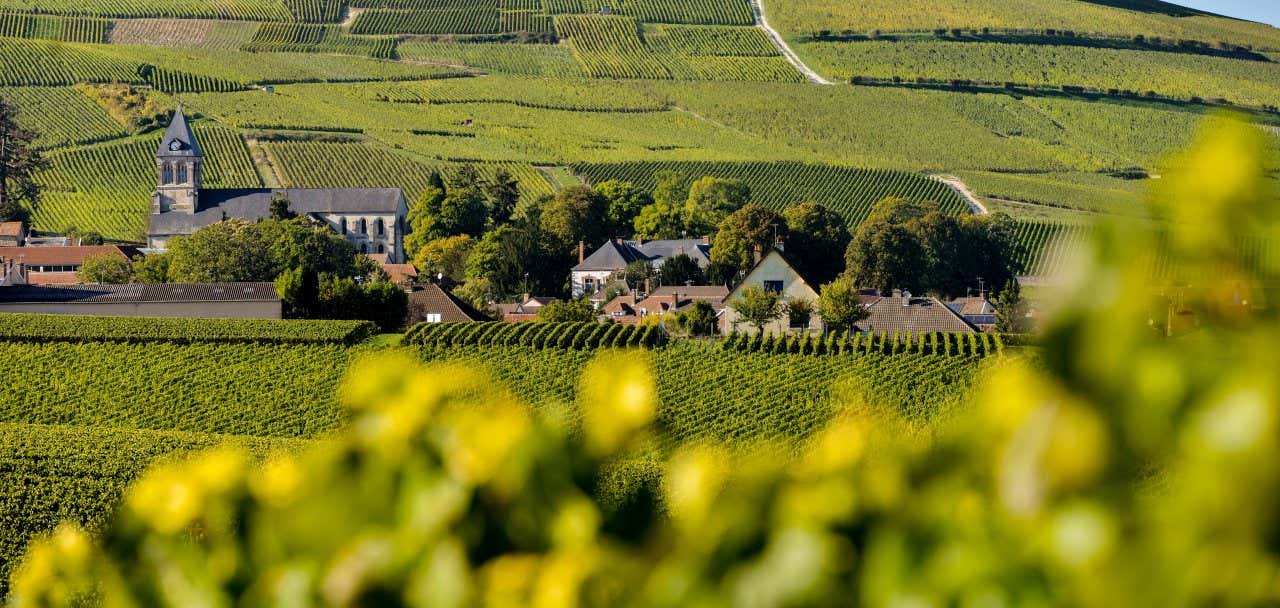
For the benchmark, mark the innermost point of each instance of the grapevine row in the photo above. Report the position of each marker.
(63, 328)
(897, 343)
(576, 336)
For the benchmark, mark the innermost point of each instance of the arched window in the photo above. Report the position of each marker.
(381, 249)
(381, 227)
(182, 174)
(166, 174)
(364, 226)
(344, 225)
(364, 248)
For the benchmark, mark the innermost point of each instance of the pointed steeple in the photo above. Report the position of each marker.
(179, 140)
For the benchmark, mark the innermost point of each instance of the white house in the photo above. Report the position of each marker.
(607, 263)
(775, 274)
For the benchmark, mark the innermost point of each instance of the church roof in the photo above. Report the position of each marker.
(179, 136)
(255, 204)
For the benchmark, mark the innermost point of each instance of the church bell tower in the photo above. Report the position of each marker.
(179, 164)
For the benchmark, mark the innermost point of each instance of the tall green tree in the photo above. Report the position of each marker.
(106, 269)
(840, 307)
(567, 311)
(757, 306)
(575, 214)
(1011, 310)
(423, 218)
(623, 203)
(681, 269)
(711, 199)
(447, 257)
(817, 240)
(504, 197)
(20, 161)
(663, 219)
(742, 232)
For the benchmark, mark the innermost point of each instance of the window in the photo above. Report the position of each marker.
(364, 226)
(381, 249)
(589, 285)
(166, 173)
(773, 286)
(344, 226)
(364, 248)
(380, 226)
(182, 174)
(433, 317)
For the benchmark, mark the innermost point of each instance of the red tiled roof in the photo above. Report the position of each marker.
(52, 278)
(13, 229)
(58, 256)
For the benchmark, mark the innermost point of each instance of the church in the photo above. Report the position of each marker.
(371, 219)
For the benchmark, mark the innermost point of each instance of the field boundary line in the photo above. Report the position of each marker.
(975, 204)
(762, 21)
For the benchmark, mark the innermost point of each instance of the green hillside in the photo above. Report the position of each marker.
(1034, 104)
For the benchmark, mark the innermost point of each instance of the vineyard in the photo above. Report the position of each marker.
(62, 328)
(47, 27)
(62, 116)
(575, 336)
(52, 474)
(850, 192)
(307, 38)
(1048, 247)
(249, 10)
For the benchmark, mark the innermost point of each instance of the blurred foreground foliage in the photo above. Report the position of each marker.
(1120, 468)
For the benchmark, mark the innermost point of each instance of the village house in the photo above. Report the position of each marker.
(978, 312)
(606, 264)
(775, 274)
(524, 310)
(400, 274)
(196, 301)
(57, 265)
(631, 309)
(902, 313)
(432, 304)
(371, 219)
(13, 234)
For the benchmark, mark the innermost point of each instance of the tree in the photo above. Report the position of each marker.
(758, 306)
(424, 215)
(840, 307)
(105, 268)
(623, 202)
(710, 200)
(817, 240)
(567, 311)
(662, 219)
(699, 319)
(575, 214)
(510, 262)
(298, 243)
(280, 206)
(463, 211)
(799, 312)
(299, 288)
(637, 272)
(20, 161)
(680, 269)
(386, 304)
(1011, 311)
(226, 252)
(83, 237)
(504, 197)
(742, 232)
(151, 269)
(886, 256)
(447, 256)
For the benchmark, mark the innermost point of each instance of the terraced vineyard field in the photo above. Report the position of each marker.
(62, 116)
(249, 10)
(850, 192)
(47, 27)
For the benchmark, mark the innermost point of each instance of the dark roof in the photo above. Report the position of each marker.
(432, 299)
(179, 131)
(916, 315)
(255, 204)
(972, 307)
(164, 292)
(616, 254)
(62, 256)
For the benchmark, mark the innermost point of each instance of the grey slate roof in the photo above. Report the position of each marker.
(917, 315)
(180, 132)
(165, 292)
(255, 204)
(615, 256)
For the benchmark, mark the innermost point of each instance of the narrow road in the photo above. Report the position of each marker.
(757, 8)
(975, 204)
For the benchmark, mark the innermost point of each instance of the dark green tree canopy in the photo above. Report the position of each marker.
(576, 214)
(817, 240)
(742, 232)
(567, 311)
(681, 269)
(20, 162)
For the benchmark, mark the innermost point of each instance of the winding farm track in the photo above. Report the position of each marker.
(762, 21)
(975, 204)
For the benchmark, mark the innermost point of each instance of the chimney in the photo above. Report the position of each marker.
(620, 242)
(648, 287)
(897, 293)
(756, 253)
(582, 251)
(706, 240)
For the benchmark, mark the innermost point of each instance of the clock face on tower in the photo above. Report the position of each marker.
(175, 145)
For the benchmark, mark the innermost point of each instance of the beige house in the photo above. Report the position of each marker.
(774, 273)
